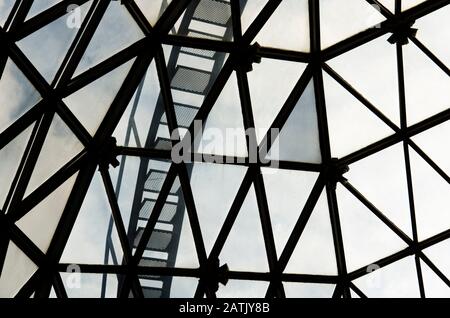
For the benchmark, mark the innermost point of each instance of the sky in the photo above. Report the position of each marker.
(370, 69)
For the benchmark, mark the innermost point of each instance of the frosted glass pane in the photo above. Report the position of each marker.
(398, 280)
(288, 27)
(339, 21)
(91, 103)
(183, 287)
(314, 253)
(224, 132)
(10, 157)
(434, 286)
(376, 80)
(300, 290)
(407, 4)
(221, 183)
(434, 33)
(116, 31)
(5, 9)
(60, 146)
(287, 192)
(351, 125)
(41, 5)
(86, 244)
(438, 254)
(268, 77)
(426, 85)
(431, 203)
(250, 10)
(17, 95)
(152, 9)
(302, 123)
(366, 238)
(47, 214)
(243, 289)
(433, 142)
(16, 271)
(144, 112)
(381, 178)
(244, 249)
(51, 43)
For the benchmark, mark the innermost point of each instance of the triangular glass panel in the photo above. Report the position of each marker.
(186, 256)
(388, 4)
(249, 11)
(267, 77)
(353, 294)
(397, 280)
(314, 253)
(10, 157)
(434, 33)
(431, 198)
(40, 6)
(59, 147)
(153, 10)
(428, 97)
(223, 131)
(438, 254)
(17, 95)
(244, 249)
(351, 125)
(366, 238)
(145, 108)
(287, 192)
(287, 28)
(17, 269)
(308, 290)
(87, 243)
(302, 123)
(221, 183)
(206, 19)
(339, 22)
(90, 285)
(183, 287)
(434, 286)
(5, 9)
(432, 142)
(243, 289)
(91, 103)
(381, 179)
(117, 30)
(373, 73)
(408, 4)
(47, 213)
(51, 43)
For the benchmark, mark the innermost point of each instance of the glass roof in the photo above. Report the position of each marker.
(225, 148)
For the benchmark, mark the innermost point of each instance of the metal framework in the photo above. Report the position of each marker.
(100, 150)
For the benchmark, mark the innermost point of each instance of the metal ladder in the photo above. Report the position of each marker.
(206, 19)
